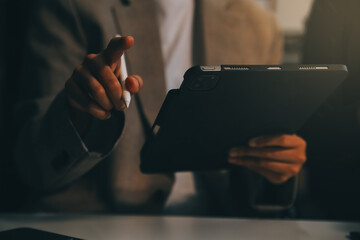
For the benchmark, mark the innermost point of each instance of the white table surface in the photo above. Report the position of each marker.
(106, 227)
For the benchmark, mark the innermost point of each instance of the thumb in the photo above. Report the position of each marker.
(116, 48)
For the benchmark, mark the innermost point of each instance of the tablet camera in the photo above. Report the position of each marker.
(204, 83)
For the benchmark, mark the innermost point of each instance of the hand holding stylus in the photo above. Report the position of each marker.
(94, 88)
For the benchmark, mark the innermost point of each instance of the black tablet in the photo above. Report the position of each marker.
(220, 107)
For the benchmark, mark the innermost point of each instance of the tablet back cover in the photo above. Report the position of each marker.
(217, 108)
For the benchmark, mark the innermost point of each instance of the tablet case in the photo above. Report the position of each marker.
(220, 107)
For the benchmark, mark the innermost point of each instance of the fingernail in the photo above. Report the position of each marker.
(123, 105)
(108, 115)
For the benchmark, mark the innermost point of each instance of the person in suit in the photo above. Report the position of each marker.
(68, 149)
(332, 134)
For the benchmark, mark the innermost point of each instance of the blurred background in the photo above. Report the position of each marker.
(291, 15)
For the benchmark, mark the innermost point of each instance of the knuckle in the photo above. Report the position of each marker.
(97, 90)
(106, 70)
(281, 179)
(302, 158)
(112, 85)
(90, 58)
(283, 139)
(102, 115)
(302, 142)
(77, 70)
(103, 72)
(294, 170)
(304, 145)
(139, 80)
(137, 77)
(275, 180)
(272, 179)
(96, 114)
(120, 106)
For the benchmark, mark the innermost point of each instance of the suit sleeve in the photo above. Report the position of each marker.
(49, 153)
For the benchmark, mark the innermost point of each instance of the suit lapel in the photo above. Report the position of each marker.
(145, 58)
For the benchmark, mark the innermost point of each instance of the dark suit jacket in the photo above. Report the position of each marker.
(333, 134)
(50, 156)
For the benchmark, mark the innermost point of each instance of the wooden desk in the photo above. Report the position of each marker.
(111, 227)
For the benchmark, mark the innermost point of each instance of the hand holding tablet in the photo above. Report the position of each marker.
(219, 108)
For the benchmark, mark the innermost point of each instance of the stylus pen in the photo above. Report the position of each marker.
(123, 75)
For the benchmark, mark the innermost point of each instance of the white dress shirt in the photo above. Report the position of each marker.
(176, 32)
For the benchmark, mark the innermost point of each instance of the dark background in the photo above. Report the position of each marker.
(13, 24)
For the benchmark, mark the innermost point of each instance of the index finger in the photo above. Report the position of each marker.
(284, 140)
(116, 48)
